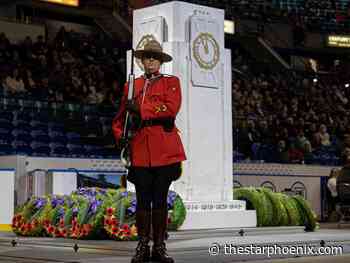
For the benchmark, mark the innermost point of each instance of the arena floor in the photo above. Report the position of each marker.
(188, 246)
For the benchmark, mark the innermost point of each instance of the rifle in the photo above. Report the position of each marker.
(125, 154)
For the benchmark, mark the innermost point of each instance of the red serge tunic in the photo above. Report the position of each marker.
(158, 97)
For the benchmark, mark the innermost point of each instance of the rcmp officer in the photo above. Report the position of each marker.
(156, 149)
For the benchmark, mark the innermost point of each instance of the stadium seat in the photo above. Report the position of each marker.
(42, 116)
(40, 149)
(23, 116)
(58, 137)
(76, 150)
(24, 137)
(41, 106)
(23, 149)
(93, 151)
(6, 116)
(21, 130)
(41, 138)
(38, 125)
(10, 104)
(21, 123)
(73, 138)
(5, 124)
(59, 150)
(39, 131)
(26, 105)
(6, 149)
(6, 138)
(56, 127)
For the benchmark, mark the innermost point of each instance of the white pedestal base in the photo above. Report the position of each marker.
(219, 219)
(210, 215)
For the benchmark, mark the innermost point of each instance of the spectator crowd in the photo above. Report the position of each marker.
(72, 68)
(289, 118)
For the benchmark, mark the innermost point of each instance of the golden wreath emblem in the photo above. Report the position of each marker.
(206, 51)
(143, 41)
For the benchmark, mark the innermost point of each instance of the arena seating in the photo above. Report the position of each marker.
(47, 132)
(315, 15)
(287, 117)
(62, 98)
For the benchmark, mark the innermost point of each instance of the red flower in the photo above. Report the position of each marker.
(57, 232)
(108, 222)
(51, 229)
(169, 220)
(46, 222)
(114, 222)
(126, 227)
(110, 211)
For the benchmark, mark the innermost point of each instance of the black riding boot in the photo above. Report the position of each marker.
(159, 225)
(143, 223)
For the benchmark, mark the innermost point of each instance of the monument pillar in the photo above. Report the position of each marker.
(194, 36)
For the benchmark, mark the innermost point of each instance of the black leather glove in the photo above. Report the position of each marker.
(122, 143)
(133, 107)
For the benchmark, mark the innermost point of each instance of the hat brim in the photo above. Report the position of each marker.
(164, 56)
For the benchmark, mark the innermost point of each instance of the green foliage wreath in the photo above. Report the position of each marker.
(277, 209)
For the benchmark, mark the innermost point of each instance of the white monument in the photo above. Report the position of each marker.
(194, 36)
(7, 197)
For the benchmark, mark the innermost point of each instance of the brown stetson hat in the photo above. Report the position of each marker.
(153, 46)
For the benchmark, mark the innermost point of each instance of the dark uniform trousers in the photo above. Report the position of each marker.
(152, 184)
